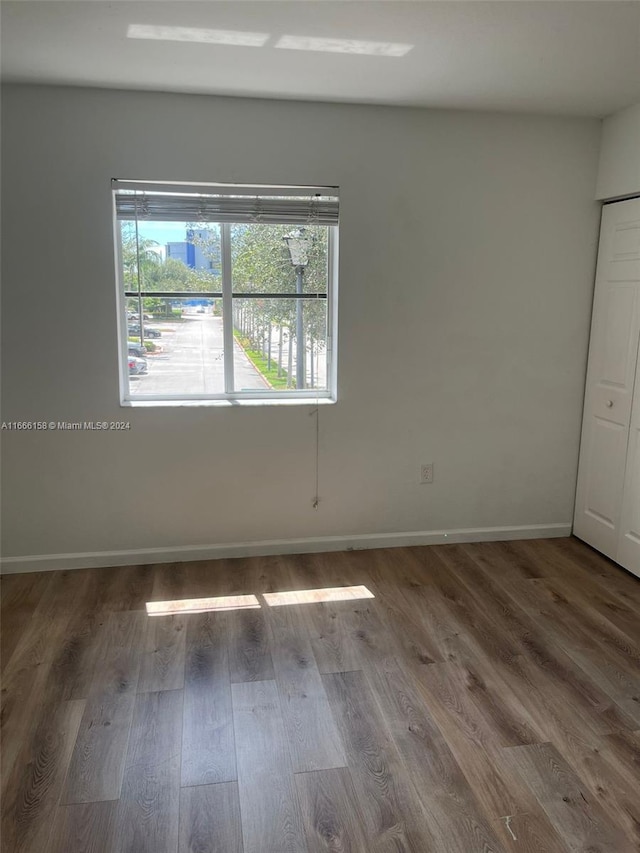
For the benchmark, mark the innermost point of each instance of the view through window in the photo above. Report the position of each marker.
(214, 308)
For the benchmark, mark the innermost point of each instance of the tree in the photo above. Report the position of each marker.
(139, 257)
(174, 275)
(261, 264)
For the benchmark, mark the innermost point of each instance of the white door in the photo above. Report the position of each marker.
(613, 356)
(629, 545)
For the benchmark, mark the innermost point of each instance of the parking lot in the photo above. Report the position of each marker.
(191, 361)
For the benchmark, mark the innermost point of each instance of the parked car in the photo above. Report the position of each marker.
(137, 366)
(136, 349)
(134, 329)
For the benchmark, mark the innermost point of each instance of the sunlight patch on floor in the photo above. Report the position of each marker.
(316, 596)
(202, 605)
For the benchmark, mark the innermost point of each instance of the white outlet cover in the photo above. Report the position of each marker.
(426, 473)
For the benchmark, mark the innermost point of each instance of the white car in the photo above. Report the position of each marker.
(137, 366)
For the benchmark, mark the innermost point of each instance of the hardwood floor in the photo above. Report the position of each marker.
(486, 699)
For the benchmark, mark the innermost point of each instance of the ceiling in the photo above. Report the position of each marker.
(574, 58)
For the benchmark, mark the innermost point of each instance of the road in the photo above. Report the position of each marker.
(192, 360)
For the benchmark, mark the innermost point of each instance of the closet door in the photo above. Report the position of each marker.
(629, 546)
(611, 374)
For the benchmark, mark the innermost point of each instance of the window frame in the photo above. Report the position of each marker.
(230, 395)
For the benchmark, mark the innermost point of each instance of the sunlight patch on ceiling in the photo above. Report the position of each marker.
(233, 38)
(202, 605)
(316, 596)
(237, 38)
(353, 46)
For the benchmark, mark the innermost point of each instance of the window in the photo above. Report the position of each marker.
(226, 292)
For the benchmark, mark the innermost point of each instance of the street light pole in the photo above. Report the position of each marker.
(299, 244)
(300, 377)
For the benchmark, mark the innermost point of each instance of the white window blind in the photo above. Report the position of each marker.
(230, 203)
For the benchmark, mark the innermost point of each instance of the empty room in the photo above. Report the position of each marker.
(320, 426)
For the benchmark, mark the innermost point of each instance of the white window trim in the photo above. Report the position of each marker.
(230, 396)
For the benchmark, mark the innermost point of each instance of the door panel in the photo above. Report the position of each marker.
(629, 548)
(615, 354)
(606, 460)
(625, 245)
(611, 376)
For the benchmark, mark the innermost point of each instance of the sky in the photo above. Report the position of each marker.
(163, 232)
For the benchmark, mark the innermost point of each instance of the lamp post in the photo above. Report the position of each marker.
(299, 244)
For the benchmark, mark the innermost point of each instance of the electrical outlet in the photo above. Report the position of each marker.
(426, 472)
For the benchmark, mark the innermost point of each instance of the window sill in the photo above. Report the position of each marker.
(164, 404)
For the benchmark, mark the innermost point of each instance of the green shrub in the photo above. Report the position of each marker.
(150, 346)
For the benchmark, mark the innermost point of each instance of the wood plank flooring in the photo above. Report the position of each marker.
(486, 699)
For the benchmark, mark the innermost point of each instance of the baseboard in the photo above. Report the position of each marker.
(101, 559)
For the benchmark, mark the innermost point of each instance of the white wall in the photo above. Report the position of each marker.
(619, 168)
(467, 254)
